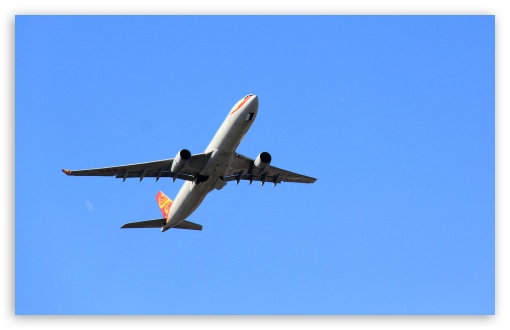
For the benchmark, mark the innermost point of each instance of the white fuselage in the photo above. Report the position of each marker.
(223, 148)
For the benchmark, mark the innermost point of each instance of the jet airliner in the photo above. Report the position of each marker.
(204, 172)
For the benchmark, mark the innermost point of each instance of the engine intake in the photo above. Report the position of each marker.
(261, 163)
(180, 161)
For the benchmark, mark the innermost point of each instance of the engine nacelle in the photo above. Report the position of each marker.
(261, 163)
(180, 161)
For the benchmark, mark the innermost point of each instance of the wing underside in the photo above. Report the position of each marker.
(242, 166)
(155, 169)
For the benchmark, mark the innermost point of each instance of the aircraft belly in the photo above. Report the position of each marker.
(223, 149)
(186, 202)
(229, 135)
(217, 165)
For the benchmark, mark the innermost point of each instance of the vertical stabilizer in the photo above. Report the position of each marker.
(164, 203)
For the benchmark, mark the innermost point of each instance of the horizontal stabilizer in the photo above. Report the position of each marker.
(188, 225)
(156, 223)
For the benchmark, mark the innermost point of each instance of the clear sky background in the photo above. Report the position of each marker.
(394, 115)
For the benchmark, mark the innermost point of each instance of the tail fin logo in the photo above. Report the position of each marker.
(164, 203)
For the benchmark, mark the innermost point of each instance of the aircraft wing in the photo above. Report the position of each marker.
(157, 169)
(241, 169)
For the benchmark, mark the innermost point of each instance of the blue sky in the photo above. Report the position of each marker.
(393, 115)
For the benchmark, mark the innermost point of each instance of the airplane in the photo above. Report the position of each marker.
(204, 172)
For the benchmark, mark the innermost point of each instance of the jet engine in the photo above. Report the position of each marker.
(180, 161)
(261, 163)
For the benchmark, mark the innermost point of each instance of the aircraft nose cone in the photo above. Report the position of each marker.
(254, 102)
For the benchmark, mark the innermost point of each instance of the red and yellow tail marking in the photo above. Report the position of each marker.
(164, 204)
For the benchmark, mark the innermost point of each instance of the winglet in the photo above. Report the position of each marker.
(164, 203)
(67, 172)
